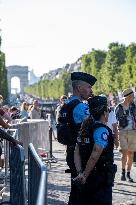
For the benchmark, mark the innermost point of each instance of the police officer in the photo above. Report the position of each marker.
(94, 156)
(82, 89)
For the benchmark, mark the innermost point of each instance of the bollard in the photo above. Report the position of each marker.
(50, 140)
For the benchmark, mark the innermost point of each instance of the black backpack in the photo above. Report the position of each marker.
(66, 127)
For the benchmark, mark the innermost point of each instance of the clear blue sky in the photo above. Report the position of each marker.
(47, 34)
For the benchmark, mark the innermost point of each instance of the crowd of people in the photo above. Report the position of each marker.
(8, 115)
(26, 110)
(96, 129)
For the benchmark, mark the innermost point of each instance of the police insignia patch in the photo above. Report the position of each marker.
(104, 136)
(86, 111)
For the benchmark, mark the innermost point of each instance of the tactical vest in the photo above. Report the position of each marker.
(122, 116)
(86, 144)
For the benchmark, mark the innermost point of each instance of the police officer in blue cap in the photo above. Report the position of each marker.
(82, 89)
(94, 156)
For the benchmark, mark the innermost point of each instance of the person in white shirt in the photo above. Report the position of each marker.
(112, 124)
(35, 112)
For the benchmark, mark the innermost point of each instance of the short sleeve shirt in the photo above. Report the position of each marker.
(100, 136)
(111, 120)
(34, 114)
(80, 112)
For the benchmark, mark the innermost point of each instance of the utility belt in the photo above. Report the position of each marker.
(99, 179)
(108, 171)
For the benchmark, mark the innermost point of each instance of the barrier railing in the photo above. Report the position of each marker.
(34, 131)
(37, 178)
(14, 134)
(14, 158)
(17, 176)
(3, 135)
(37, 174)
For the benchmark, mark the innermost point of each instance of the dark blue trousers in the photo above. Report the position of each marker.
(95, 192)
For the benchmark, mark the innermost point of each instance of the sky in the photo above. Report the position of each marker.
(47, 34)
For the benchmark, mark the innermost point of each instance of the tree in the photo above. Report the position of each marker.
(114, 69)
(3, 74)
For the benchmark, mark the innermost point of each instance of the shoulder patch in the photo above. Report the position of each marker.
(104, 136)
(86, 111)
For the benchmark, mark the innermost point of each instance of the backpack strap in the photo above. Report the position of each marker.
(70, 106)
(119, 111)
(120, 106)
(99, 124)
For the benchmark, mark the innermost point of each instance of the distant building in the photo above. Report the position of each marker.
(53, 74)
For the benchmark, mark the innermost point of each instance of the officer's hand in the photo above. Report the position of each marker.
(77, 178)
(81, 177)
(17, 142)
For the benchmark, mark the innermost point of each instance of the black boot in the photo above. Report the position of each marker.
(123, 177)
(129, 179)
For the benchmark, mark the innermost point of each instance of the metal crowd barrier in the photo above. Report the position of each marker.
(5, 152)
(34, 131)
(14, 159)
(17, 176)
(51, 158)
(37, 178)
(14, 134)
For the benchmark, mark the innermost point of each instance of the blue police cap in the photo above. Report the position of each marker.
(97, 103)
(84, 77)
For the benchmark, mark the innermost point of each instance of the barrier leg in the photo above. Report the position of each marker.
(50, 139)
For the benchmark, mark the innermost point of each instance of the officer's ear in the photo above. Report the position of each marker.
(79, 87)
(106, 112)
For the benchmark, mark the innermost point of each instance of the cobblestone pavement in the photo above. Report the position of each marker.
(124, 193)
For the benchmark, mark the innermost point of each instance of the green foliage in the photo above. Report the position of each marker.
(114, 69)
(3, 75)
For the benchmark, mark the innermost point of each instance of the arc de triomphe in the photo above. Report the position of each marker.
(17, 71)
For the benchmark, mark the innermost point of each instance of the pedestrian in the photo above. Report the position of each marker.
(94, 156)
(24, 110)
(126, 116)
(113, 125)
(61, 102)
(5, 135)
(82, 89)
(5, 114)
(35, 112)
(14, 113)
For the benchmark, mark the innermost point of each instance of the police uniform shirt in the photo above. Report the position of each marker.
(80, 112)
(101, 137)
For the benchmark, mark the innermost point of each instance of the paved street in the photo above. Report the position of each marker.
(124, 193)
